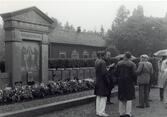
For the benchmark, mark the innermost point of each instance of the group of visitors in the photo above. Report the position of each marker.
(124, 73)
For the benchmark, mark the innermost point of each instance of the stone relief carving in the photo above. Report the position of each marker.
(30, 58)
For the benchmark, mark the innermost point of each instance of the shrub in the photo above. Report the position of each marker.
(75, 63)
(40, 90)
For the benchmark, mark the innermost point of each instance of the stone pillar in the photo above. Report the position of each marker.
(13, 55)
(44, 58)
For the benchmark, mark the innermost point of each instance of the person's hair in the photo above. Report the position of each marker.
(103, 53)
(164, 57)
(145, 57)
(128, 55)
(100, 54)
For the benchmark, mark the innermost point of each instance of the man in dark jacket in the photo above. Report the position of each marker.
(101, 86)
(111, 83)
(126, 90)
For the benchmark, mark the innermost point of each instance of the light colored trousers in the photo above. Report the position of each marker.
(125, 107)
(100, 104)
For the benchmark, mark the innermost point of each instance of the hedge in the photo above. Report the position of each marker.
(75, 63)
(70, 63)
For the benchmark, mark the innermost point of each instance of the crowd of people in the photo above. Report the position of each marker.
(124, 73)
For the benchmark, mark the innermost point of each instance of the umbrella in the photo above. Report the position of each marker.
(122, 55)
(161, 53)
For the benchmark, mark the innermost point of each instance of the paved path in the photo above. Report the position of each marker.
(157, 109)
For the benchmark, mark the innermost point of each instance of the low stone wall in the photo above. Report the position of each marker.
(4, 80)
(71, 73)
(58, 74)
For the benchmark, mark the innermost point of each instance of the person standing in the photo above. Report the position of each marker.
(110, 75)
(125, 72)
(161, 76)
(163, 80)
(144, 72)
(111, 78)
(101, 86)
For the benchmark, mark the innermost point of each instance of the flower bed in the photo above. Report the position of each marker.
(40, 90)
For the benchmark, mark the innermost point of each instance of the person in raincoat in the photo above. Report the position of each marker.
(101, 86)
(163, 80)
(126, 75)
(162, 75)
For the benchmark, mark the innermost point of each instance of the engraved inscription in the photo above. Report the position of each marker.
(32, 36)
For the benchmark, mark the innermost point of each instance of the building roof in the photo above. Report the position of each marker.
(7, 16)
(72, 37)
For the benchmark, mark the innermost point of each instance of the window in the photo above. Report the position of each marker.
(94, 54)
(62, 55)
(85, 54)
(74, 54)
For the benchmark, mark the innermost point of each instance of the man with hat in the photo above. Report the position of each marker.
(144, 72)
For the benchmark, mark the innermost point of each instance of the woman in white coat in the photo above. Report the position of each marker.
(162, 78)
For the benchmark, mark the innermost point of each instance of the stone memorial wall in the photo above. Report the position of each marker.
(26, 45)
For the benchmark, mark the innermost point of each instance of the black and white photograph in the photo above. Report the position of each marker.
(83, 58)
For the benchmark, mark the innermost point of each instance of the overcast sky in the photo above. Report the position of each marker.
(89, 14)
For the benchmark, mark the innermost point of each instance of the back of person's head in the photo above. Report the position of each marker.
(128, 55)
(121, 58)
(100, 54)
(164, 57)
(103, 53)
(144, 57)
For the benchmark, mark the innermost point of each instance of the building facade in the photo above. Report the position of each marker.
(65, 44)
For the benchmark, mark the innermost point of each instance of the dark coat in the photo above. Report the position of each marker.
(111, 78)
(126, 80)
(101, 86)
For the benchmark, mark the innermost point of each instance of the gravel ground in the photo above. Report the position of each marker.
(157, 109)
(37, 102)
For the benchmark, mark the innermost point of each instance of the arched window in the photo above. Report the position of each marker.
(85, 54)
(74, 54)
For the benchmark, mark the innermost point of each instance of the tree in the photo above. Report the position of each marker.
(113, 50)
(165, 16)
(72, 28)
(118, 26)
(78, 29)
(139, 34)
(56, 24)
(67, 26)
(122, 16)
(55, 21)
(102, 31)
(139, 12)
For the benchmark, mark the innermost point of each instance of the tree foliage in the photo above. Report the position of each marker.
(138, 33)
(122, 16)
